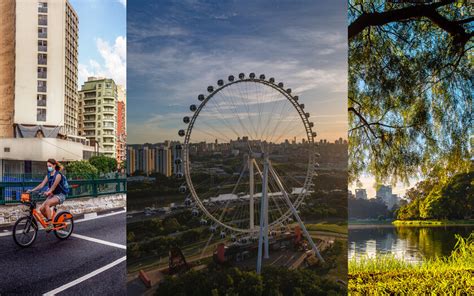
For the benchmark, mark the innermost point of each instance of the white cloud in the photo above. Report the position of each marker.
(113, 64)
(123, 2)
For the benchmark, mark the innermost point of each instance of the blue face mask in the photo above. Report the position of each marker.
(50, 169)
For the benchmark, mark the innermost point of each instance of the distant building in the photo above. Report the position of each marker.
(154, 158)
(98, 114)
(360, 193)
(121, 124)
(384, 192)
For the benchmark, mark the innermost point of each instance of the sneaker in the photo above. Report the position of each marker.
(49, 227)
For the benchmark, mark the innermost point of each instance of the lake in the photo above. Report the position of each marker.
(413, 243)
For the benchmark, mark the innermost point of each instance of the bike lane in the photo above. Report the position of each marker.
(91, 261)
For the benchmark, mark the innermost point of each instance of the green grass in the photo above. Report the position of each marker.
(387, 275)
(431, 222)
(327, 227)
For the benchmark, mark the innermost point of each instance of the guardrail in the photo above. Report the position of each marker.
(11, 187)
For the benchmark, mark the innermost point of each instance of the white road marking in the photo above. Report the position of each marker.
(100, 216)
(7, 233)
(99, 241)
(90, 215)
(85, 277)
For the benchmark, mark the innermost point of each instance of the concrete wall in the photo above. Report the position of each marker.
(27, 63)
(7, 67)
(40, 149)
(77, 206)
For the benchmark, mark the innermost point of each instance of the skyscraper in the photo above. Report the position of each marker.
(42, 89)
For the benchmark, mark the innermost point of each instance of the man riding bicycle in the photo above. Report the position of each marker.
(56, 193)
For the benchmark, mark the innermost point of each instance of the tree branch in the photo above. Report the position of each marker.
(454, 28)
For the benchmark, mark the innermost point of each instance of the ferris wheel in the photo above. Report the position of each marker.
(248, 158)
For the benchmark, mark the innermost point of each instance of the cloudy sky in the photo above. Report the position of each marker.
(102, 39)
(177, 48)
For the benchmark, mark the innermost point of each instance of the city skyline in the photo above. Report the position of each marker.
(172, 60)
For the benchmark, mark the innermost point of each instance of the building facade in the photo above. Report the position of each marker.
(38, 86)
(154, 158)
(45, 88)
(98, 114)
(121, 125)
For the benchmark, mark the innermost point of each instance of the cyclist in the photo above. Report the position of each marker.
(56, 193)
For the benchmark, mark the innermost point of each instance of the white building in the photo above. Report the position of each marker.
(38, 86)
(46, 45)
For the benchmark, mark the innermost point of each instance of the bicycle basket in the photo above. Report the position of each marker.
(25, 197)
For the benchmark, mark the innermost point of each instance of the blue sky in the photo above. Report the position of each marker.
(102, 38)
(177, 48)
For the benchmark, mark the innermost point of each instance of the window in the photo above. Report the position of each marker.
(42, 59)
(41, 100)
(99, 85)
(42, 20)
(42, 45)
(41, 114)
(108, 85)
(42, 32)
(41, 86)
(42, 72)
(42, 7)
(99, 95)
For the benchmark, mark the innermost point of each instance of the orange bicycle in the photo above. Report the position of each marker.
(26, 228)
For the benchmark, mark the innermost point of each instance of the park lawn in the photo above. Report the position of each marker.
(431, 222)
(342, 229)
(387, 275)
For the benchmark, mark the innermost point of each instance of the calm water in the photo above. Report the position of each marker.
(411, 243)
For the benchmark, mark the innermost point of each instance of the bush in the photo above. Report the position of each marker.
(81, 169)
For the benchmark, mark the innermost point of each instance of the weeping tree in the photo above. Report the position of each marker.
(410, 89)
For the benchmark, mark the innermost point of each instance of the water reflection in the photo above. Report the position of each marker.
(410, 243)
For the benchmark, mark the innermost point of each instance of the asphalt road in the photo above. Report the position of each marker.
(91, 262)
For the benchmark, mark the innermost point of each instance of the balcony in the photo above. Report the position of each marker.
(43, 75)
(43, 9)
(42, 48)
(42, 89)
(88, 119)
(42, 61)
(89, 111)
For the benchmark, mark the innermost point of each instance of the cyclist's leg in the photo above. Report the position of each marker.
(50, 202)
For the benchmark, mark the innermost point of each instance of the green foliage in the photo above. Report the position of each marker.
(410, 94)
(451, 199)
(104, 164)
(232, 281)
(81, 169)
(387, 275)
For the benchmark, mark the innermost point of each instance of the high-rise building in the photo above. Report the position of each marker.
(360, 193)
(121, 124)
(154, 158)
(384, 192)
(38, 86)
(98, 115)
(42, 45)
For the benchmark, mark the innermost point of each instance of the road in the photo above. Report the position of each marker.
(90, 262)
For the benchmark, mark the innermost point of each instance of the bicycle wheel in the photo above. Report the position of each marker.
(25, 231)
(67, 218)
